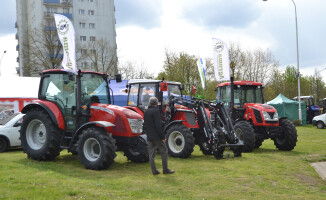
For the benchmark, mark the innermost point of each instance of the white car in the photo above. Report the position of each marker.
(9, 131)
(319, 121)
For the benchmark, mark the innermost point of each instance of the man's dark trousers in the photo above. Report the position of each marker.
(161, 147)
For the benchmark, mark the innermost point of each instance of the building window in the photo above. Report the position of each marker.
(91, 25)
(83, 51)
(82, 38)
(51, 10)
(93, 52)
(65, 10)
(90, 0)
(82, 25)
(81, 11)
(92, 38)
(91, 12)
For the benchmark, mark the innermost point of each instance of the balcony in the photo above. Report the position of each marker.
(50, 15)
(17, 47)
(16, 25)
(52, 1)
(17, 59)
(17, 36)
(58, 56)
(59, 2)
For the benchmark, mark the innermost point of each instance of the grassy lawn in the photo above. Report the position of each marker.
(265, 173)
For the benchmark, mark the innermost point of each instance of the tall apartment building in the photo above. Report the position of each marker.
(93, 20)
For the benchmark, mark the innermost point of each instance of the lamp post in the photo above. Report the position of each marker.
(1, 60)
(298, 72)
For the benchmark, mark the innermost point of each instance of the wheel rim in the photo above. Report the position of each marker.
(92, 149)
(239, 134)
(176, 142)
(36, 134)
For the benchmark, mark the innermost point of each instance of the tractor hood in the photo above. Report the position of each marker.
(115, 110)
(260, 106)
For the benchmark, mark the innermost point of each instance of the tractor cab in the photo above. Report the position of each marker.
(248, 102)
(140, 91)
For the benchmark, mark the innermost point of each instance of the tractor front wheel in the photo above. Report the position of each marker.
(96, 148)
(40, 138)
(245, 132)
(180, 141)
(287, 136)
(137, 153)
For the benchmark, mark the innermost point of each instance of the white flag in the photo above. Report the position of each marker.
(221, 60)
(66, 33)
(201, 63)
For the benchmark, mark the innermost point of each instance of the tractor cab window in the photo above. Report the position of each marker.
(133, 95)
(247, 94)
(59, 88)
(94, 89)
(173, 90)
(224, 95)
(146, 92)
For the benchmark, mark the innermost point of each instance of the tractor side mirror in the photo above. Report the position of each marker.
(118, 78)
(164, 86)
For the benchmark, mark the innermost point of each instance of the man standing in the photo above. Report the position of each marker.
(155, 136)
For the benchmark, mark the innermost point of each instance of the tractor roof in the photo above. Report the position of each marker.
(133, 81)
(67, 71)
(241, 83)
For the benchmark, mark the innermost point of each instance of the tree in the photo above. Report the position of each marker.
(44, 51)
(131, 70)
(100, 56)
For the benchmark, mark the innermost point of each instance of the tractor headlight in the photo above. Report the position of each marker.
(136, 125)
(266, 115)
(275, 117)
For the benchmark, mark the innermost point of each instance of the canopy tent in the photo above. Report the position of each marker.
(16, 92)
(289, 108)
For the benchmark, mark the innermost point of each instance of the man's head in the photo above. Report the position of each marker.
(153, 101)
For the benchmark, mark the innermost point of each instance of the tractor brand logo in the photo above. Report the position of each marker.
(218, 47)
(103, 109)
(63, 27)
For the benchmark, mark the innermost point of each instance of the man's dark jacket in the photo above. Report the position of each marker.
(153, 125)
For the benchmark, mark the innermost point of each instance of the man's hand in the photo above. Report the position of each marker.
(164, 140)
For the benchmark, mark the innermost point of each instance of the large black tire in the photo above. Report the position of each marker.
(219, 150)
(320, 125)
(40, 137)
(205, 148)
(246, 133)
(180, 141)
(96, 148)
(258, 142)
(287, 136)
(137, 153)
(3, 144)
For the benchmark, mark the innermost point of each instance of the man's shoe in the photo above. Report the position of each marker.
(168, 171)
(156, 172)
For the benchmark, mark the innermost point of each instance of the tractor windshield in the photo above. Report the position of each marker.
(173, 90)
(242, 94)
(94, 89)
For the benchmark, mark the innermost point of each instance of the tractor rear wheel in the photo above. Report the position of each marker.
(245, 132)
(40, 138)
(96, 148)
(137, 153)
(287, 136)
(180, 141)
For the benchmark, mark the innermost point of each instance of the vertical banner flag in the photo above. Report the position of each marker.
(221, 60)
(66, 33)
(201, 63)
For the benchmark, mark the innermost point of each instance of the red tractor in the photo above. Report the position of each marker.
(73, 112)
(246, 103)
(187, 121)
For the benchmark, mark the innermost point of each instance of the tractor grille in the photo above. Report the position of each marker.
(191, 118)
(271, 114)
(258, 116)
(119, 127)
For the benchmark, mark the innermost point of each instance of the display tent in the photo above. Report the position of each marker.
(16, 92)
(289, 108)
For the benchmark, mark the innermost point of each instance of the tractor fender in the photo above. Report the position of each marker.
(57, 119)
(102, 124)
(172, 123)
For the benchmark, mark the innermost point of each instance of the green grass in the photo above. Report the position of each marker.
(265, 173)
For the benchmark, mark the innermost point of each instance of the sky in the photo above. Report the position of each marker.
(145, 28)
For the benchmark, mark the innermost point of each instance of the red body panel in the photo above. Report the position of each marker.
(116, 115)
(240, 83)
(249, 114)
(136, 109)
